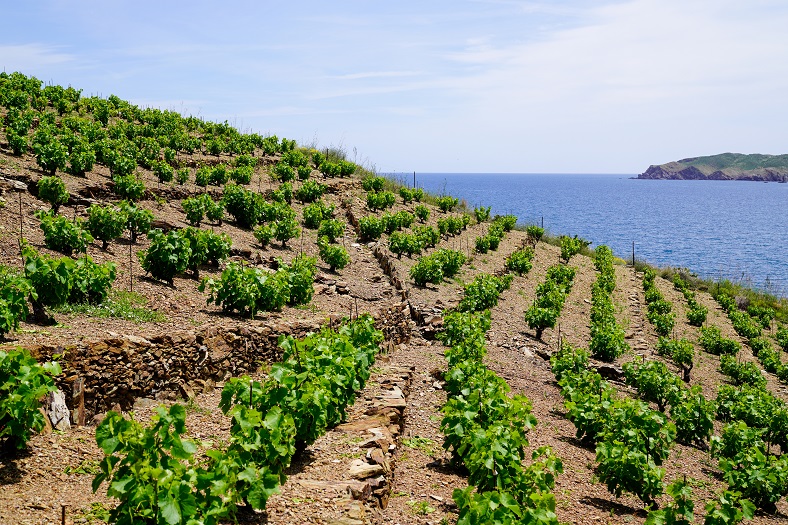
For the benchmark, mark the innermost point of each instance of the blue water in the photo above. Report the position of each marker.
(718, 229)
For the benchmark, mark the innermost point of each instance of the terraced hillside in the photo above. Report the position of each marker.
(381, 458)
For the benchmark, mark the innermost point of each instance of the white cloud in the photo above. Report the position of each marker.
(33, 56)
(650, 76)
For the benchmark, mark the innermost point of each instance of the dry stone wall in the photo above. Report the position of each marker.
(119, 370)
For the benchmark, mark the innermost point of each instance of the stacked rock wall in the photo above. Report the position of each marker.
(120, 369)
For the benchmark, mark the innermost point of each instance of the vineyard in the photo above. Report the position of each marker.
(244, 329)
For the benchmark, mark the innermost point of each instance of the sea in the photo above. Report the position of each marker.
(736, 230)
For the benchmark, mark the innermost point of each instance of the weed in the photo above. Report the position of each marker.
(96, 513)
(192, 407)
(88, 466)
(120, 305)
(426, 445)
(421, 508)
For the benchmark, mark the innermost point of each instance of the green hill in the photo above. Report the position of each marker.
(725, 166)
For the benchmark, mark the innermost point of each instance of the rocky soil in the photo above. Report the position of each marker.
(386, 464)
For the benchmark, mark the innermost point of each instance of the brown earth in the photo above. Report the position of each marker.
(404, 394)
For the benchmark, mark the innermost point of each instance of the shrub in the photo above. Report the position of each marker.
(693, 415)
(409, 244)
(534, 232)
(370, 228)
(406, 194)
(14, 291)
(63, 235)
(247, 290)
(519, 261)
(447, 203)
(128, 187)
(168, 255)
(138, 220)
(23, 383)
(450, 261)
(571, 246)
(331, 229)
(301, 274)
(50, 278)
(194, 209)
(422, 212)
(427, 270)
(264, 233)
(286, 227)
(219, 175)
(283, 172)
(51, 154)
(106, 223)
(81, 158)
(427, 236)
(163, 171)
(316, 213)
(245, 206)
(482, 293)
(380, 201)
(53, 191)
(242, 174)
(182, 176)
(696, 314)
(374, 184)
(335, 256)
(482, 214)
(91, 282)
(310, 191)
(283, 194)
(202, 176)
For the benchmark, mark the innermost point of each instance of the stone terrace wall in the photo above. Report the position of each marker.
(120, 369)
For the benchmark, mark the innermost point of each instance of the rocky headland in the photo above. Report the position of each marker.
(726, 166)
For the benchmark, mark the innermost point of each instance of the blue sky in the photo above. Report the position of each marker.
(450, 86)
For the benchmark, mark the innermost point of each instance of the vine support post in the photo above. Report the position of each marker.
(78, 395)
(20, 226)
(633, 254)
(131, 264)
(63, 514)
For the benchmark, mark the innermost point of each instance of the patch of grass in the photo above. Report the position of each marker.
(302, 500)
(120, 305)
(192, 407)
(350, 455)
(88, 466)
(426, 445)
(310, 307)
(421, 508)
(96, 513)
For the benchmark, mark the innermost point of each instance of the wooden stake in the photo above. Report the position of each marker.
(78, 394)
(20, 225)
(63, 514)
(131, 268)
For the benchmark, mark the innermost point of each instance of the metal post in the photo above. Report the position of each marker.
(633, 254)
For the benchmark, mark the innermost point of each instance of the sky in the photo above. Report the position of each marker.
(566, 86)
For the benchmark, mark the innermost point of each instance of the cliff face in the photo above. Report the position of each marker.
(727, 166)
